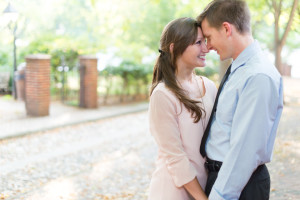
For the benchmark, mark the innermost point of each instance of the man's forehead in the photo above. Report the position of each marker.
(205, 33)
(205, 24)
(206, 28)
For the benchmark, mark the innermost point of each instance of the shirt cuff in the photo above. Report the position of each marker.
(214, 195)
(182, 171)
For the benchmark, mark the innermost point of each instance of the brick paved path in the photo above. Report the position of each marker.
(114, 159)
(108, 159)
(284, 169)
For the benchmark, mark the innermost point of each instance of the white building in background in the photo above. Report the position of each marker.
(108, 59)
(293, 60)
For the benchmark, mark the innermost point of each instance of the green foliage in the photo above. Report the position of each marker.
(262, 14)
(7, 97)
(5, 64)
(3, 58)
(68, 56)
(207, 71)
(135, 78)
(71, 28)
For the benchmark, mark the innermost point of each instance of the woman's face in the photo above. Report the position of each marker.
(194, 54)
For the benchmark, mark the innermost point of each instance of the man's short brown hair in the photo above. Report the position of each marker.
(235, 12)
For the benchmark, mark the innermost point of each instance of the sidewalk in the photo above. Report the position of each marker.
(87, 160)
(14, 121)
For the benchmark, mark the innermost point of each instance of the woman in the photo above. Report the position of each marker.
(180, 106)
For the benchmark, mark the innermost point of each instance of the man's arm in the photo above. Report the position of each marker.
(252, 128)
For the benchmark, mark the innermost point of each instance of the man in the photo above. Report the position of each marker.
(240, 136)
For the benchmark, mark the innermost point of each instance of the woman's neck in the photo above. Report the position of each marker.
(185, 74)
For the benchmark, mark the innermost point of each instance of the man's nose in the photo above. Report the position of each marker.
(205, 48)
(209, 46)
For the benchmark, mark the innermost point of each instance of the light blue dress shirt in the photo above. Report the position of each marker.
(244, 127)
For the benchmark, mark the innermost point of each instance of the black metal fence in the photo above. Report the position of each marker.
(65, 85)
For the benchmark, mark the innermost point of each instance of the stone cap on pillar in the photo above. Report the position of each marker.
(88, 57)
(38, 56)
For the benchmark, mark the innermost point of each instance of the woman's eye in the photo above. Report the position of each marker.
(198, 42)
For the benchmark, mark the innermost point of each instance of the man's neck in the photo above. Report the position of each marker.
(241, 43)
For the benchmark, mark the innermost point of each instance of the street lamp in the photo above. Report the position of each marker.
(11, 16)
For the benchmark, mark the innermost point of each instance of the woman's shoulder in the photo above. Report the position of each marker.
(210, 86)
(162, 90)
(207, 81)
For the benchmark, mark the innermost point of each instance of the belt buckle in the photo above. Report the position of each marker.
(212, 166)
(206, 165)
(216, 167)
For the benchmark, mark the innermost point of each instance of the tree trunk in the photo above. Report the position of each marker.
(278, 62)
(277, 41)
(280, 42)
(277, 11)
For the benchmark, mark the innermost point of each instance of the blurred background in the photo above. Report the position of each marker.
(124, 36)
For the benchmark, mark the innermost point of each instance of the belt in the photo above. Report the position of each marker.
(212, 165)
(215, 166)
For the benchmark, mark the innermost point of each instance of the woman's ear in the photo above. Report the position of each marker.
(171, 47)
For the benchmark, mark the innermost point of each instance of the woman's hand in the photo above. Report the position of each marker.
(194, 188)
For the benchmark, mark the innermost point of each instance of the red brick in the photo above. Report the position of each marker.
(88, 82)
(37, 86)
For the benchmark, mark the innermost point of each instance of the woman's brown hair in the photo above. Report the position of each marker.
(181, 33)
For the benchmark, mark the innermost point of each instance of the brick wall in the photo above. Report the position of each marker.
(37, 86)
(286, 70)
(88, 82)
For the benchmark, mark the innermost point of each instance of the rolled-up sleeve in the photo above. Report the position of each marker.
(164, 128)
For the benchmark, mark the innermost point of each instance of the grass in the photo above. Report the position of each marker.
(7, 97)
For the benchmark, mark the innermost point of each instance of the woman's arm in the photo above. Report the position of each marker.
(164, 128)
(194, 188)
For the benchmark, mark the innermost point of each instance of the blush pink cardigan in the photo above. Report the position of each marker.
(178, 139)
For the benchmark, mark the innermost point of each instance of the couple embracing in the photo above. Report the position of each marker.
(213, 144)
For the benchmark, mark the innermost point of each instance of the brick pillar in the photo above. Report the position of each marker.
(37, 86)
(88, 82)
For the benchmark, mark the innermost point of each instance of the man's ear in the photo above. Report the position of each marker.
(227, 28)
(171, 47)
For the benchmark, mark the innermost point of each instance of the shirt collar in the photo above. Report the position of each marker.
(246, 54)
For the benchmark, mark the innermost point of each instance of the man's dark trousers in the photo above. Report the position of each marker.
(257, 188)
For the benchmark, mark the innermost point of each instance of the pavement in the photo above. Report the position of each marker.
(14, 122)
(110, 159)
(97, 160)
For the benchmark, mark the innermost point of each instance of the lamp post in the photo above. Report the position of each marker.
(11, 16)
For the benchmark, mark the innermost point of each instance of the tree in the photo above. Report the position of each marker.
(280, 40)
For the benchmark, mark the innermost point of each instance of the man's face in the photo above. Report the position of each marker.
(216, 40)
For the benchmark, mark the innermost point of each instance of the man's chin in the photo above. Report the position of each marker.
(223, 58)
